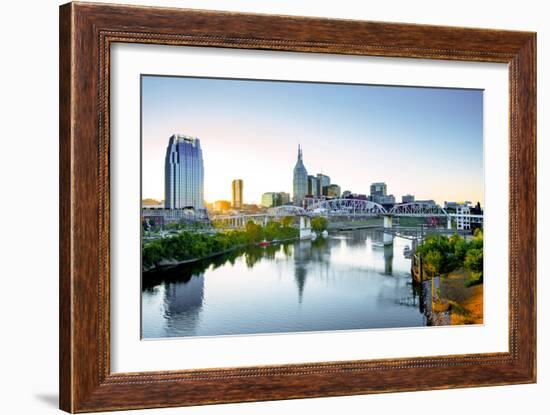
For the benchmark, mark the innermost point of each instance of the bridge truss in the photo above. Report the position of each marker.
(286, 210)
(346, 207)
(418, 209)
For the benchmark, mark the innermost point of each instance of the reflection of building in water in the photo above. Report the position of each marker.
(320, 252)
(311, 253)
(302, 255)
(183, 300)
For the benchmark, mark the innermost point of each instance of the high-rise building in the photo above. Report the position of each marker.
(378, 189)
(322, 181)
(299, 183)
(270, 199)
(285, 198)
(332, 190)
(183, 173)
(312, 189)
(379, 194)
(463, 222)
(237, 190)
(407, 199)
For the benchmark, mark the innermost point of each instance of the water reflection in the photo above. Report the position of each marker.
(350, 280)
(388, 259)
(183, 303)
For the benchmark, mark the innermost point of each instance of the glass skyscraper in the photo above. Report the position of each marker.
(322, 182)
(299, 184)
(312, 186)
(183, 173)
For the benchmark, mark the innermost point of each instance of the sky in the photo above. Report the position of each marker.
(422, 141)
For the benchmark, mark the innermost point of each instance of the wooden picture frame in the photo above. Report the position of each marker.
(86, 33)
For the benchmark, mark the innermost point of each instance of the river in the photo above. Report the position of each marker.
(346, 281)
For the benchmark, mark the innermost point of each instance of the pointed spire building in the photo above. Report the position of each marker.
(299, 184)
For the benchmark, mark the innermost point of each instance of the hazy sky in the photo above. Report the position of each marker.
(423, 141)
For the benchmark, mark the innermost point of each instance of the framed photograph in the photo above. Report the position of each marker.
(259, 207)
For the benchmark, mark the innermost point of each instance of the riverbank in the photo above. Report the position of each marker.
(463, 301)
(169, 263)
(173, 262)
(191, 246)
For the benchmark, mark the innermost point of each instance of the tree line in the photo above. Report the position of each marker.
(442, 255)
(187, 245)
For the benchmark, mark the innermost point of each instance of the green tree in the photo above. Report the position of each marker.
(474, 259)
(287, 221)
(191, 245)
(272, 230)
(433, 261)
(253, 231)
(319, 224)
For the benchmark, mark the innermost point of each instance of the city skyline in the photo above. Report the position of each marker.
(432, 149)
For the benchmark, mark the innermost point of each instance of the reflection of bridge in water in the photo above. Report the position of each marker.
(346, 209)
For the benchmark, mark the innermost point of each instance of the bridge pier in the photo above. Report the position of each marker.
(388, 258)
(388, 237)
(449, 223)
(305, 227)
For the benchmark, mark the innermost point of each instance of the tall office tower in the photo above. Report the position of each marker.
(299, 184)
(285, 198)
(322, 181)
(312, 186)
(378, 189)
(183, 173)
(237, 190)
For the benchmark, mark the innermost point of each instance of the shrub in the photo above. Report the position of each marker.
(319, 224)
(445, 254)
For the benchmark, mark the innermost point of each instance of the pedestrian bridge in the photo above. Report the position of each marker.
(418, 210)
(346, 207)
(350, 208)
(360, 207)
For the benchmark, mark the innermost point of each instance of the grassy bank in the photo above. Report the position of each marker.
(188, 246)
(465, 301)
(459, 264)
